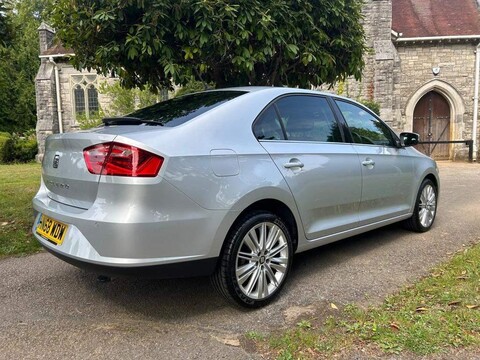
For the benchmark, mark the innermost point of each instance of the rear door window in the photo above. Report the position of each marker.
(308, 118)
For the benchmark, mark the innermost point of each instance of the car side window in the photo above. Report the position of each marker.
(267, 126)
(364, 127)
(308, 118)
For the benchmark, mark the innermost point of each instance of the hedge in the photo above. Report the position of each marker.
(15, 148)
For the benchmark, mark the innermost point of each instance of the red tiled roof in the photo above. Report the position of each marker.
(57, 49)
(420, 18)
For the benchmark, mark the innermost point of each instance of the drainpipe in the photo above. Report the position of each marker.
(475, 102)
(57, 91)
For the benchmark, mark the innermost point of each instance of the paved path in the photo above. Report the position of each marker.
(51, 310)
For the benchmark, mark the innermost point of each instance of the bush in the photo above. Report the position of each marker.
(6, 147)
(93, 121)
(372, 105)
(194, 86)
(15, 148)
(25, 149)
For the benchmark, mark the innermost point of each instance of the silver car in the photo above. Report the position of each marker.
(228, 183)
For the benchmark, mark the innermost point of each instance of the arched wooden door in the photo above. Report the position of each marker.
(431, 119)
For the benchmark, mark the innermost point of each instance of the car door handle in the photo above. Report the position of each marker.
(293, 163)
(368, 162)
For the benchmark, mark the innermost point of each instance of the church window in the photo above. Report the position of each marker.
(85, 95)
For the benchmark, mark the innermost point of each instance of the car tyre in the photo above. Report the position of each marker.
(255, 261)
(425, 208)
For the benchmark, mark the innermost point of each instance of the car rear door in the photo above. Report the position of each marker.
(387, 170)
(304, 139)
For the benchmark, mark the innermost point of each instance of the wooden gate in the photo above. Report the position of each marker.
(431, 119)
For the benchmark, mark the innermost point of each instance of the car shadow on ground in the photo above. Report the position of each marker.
(313, 261)
(174, 300)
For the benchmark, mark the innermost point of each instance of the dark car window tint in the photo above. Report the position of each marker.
(179, 110)
(365, 128)
(308, 118)
(268, 127)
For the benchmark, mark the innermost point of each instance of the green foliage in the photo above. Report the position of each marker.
(372, 105)
(256, 42)
(92, 121)
(304, 324)
(19, 63)
(6, 31)
(125, 101)
(193, 86)
(254, 335)
(25, 149)
(15, 148)
(5, 144)
(7, 150)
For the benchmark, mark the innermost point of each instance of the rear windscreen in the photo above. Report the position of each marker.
(179, 110)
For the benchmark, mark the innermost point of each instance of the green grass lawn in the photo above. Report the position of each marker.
(18, 184)
(436, 314)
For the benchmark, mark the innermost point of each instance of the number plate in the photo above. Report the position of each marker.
(52, 230)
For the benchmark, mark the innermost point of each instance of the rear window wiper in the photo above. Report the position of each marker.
(129, 120)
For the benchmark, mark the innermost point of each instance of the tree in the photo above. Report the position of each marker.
(19, 63)
(256, 42)
(5, 23)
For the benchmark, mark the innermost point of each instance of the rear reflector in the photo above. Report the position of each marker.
(121, 160)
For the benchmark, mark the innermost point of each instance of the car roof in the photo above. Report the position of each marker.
(278, 91)
(282, 90)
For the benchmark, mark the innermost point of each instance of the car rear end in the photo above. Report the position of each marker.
(139, 195)
(104, 204)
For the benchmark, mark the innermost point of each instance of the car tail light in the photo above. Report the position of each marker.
(121, 160)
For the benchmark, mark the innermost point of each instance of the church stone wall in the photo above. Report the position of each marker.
(377, 76)
(47, 122)
(66, 71)
(456, 62)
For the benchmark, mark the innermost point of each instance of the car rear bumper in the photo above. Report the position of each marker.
(194, 268)
(176, 239)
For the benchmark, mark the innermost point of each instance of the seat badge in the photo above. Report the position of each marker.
(56, 160)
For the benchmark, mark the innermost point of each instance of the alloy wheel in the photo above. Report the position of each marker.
(427, 206)
(262, 260)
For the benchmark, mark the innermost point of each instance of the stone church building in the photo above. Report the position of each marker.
(423, 70)
(62, 93)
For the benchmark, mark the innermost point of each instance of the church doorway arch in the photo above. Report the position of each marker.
(443, 94)
(431, 119)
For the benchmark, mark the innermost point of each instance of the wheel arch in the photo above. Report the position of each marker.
(270, 204)
(434, 179)
(278, 208)
(430, 175)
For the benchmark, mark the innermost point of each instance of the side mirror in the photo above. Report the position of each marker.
(409, 138)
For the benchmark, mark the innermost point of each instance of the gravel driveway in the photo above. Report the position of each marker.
(49, 309)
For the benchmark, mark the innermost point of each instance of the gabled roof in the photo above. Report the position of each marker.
(424, 18)
(57, 49)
